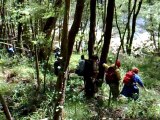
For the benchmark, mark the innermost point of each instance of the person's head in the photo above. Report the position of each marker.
(118, 63)
(82, 57)
(10, 46)
(135, 70)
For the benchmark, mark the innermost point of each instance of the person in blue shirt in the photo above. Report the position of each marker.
(10, 50)
(132, 90)
(80, 67)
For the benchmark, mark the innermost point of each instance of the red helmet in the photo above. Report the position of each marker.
(118, 63)
(135, 70)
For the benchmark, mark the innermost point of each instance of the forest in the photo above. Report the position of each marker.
(43, 41)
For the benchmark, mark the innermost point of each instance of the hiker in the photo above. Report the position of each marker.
(57, 52)
(130, 88)
(112, 77)
(90, 76)
(10, 50)
(80, 67)
(57, 66)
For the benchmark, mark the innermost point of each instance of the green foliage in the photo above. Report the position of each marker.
(146, 107)
(2, 116)
(5, 88)
(78, 111)
(40, 106)
(74, 61)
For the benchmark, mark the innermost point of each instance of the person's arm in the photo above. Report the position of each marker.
(139, 81)
(105, 66)
(118, 74)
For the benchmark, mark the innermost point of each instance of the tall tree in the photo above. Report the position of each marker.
(51, 21)
(2, 11)
(134, 18)
(61, 80)
(5, 108)
(48, 28)
(127, 26)
(107, 36)
(66, 51)
(75, 26)
(19, 27)
(91, 41)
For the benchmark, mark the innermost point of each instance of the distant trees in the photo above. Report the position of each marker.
(150, 14)
(136, 8)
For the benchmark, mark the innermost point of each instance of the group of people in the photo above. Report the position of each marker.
(89, 69)
(130, 81)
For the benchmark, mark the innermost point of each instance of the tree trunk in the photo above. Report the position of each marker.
(82, 35)
(159, 37)
(61, 80)
(51, 21)
(19, 36)
(5, 108)
(47, 61)
(107, 37)
(49, 26)
(75, 26)
(104, 14)
(135, 14)
(128, 25)
(66, 51)
(36, 56)
(152, 33)
(91, 41)
(2, 26)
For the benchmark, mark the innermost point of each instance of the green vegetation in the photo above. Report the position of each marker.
(32, 30)
(24, 104)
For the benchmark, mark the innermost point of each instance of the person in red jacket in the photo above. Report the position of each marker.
(130, 89)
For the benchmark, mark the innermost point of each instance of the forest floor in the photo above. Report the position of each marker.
(147, 107)
(99, 105)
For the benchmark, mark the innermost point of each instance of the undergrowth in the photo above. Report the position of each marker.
(25, 104)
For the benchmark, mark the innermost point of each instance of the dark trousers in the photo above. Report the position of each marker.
(90, 87)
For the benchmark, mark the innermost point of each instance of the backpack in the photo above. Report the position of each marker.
(80, 69)
(56, 64)
(111, 76)
(128, 78)
(88, 68)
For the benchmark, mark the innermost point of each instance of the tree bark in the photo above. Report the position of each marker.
(91, 41)
(75, 26)
(2, 26)
(135, 14)
(107, 37)
(66, 51)
(5, 108)
(128, 25)
(19, 36)
(51, 21)
(159, 37)
(61, 80)
(36, 57)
